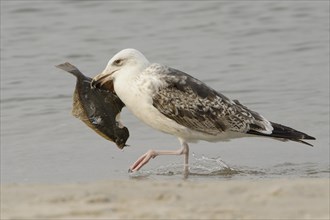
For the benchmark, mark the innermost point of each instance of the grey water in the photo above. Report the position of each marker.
(273, 56)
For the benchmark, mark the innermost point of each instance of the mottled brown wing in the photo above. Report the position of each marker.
(193, 104)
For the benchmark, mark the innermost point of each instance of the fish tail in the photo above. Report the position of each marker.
(70, 68)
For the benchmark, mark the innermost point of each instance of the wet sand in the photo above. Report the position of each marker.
(148, 199)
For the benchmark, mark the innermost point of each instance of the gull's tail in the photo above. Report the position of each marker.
(286, 133)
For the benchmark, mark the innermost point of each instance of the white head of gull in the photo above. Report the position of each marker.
(176, 103)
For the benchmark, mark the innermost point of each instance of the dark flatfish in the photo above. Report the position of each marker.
(97, 108)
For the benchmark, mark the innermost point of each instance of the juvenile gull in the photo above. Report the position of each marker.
(176, 103)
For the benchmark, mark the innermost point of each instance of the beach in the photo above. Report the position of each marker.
(175, 199)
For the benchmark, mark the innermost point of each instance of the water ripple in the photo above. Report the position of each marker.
(204, 167)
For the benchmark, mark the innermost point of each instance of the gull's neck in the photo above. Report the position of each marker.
(125, 83)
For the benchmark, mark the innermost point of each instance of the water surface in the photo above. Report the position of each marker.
(271, 55)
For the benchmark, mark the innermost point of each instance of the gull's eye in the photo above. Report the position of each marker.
(118, 62)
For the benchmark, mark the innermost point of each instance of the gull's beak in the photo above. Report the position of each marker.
(101, 79)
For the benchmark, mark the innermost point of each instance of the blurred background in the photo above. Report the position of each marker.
(271, 55)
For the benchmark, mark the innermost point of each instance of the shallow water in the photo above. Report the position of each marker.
(271, 55)
(216, 168)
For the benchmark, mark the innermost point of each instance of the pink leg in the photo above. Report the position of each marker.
(144, 159)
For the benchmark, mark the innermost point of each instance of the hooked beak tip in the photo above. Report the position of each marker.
(98, 80)
(94, 84)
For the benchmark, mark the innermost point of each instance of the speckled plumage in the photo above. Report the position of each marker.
(193, 104)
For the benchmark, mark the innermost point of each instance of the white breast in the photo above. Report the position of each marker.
(136, 93)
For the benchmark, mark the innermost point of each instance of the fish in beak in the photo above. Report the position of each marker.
(97, 108)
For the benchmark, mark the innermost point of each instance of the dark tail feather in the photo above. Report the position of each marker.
(286, 133)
